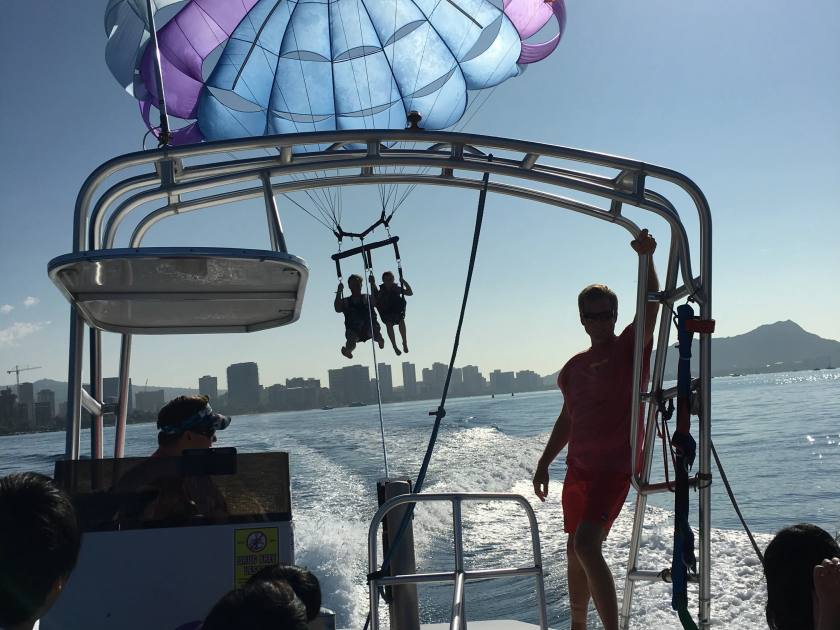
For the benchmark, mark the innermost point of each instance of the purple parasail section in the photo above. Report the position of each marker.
(529, 16)
(209, 23)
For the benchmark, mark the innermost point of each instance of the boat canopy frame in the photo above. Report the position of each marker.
(189, 178)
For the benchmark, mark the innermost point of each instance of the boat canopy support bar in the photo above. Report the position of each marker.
(187, 178)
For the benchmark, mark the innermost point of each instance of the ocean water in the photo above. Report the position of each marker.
(778, 436)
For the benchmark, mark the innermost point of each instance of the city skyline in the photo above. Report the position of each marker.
(26, 409)
(730, 117)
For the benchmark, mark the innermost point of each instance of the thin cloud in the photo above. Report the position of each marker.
(17, 331)
(6, 309)
(30, 301)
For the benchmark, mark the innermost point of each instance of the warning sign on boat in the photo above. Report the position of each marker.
(254, 548)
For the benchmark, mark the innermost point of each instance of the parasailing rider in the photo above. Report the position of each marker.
(595, 424)
(360, 321)
(390, 301)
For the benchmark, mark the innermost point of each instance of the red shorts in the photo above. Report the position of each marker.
(593, 496)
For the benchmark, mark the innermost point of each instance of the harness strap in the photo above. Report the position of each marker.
(683, 559)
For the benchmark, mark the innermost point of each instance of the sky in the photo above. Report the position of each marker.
(742, 97)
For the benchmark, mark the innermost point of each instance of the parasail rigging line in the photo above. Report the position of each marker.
(368, 263)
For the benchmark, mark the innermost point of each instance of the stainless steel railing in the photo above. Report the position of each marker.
(458, 576)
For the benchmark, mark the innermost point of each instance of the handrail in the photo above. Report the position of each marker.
(459, 576)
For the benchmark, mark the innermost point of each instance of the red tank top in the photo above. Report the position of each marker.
(597, 391)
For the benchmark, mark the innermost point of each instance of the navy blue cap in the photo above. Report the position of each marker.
(205, 418)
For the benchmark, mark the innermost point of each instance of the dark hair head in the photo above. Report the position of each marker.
(789, 562)
(303, 583)
(354, 278)
(176, 410)
(258, 606)
(387, 274)
(39, 544)
(596, 291)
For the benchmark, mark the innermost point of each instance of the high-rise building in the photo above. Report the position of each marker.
(111, 391)
(409, 374)
(26, 393)
(26, 398)
(8, 405)
(528, 381)
(473, 382)
(456, 382)
(209, 386)
(336, 382)
(276, 397)
(386, 382)
(150, 400)
(350, 384)
(243, 386)
(47, 397)
(502, 382)
(427, 379)
(43, 413)
(439, 371)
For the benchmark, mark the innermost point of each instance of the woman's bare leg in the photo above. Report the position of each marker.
(403, 335)
(393, 339)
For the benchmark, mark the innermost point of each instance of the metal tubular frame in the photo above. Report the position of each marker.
(225, 172)
(459, 576)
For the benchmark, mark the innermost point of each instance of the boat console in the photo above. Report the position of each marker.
(165, 537)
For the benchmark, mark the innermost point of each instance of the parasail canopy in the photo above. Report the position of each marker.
(244, 68)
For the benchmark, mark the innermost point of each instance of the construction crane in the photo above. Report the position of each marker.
(17, 370)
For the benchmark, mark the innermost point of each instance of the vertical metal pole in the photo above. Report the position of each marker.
(650, 436)
(704, 614)
(457, 621)
(638, 356)
(165, 134)
(96, 430)
(535, 545)
(275, 227)
(122, 412)
(458, 539)
(74, 384)
(373, 585)
(403, 604)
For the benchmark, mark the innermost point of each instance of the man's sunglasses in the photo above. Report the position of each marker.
(603, 316)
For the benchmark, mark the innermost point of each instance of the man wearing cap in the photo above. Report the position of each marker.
(187, 422)
(161, 491)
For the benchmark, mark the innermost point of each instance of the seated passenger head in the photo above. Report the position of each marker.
(598, 307)
(789, 562)
(354, 282)
(388, 278)
(303, 583)
(188, 422)
(258, 606)
(39, 544)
